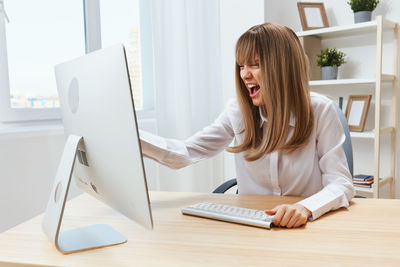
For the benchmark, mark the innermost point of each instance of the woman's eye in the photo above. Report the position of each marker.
(241, 67)
(255, 65)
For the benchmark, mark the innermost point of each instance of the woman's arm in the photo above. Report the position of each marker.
(204, 144)
(337, 182)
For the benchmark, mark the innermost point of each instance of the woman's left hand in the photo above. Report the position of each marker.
(290, 216)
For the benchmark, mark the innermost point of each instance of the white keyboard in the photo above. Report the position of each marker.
(230, 214)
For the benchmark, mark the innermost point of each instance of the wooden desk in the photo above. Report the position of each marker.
(367, 233)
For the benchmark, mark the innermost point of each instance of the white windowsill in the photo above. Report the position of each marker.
(24, 131)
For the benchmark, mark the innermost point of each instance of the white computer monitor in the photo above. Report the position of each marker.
(99, 119)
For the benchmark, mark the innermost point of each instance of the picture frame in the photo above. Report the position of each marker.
(357, 111)
(312, 15)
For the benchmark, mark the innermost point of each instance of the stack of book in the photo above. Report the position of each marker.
(363, 180)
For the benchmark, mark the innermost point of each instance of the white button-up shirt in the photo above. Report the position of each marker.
(318, 171)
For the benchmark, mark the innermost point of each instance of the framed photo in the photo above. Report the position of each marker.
(357, 111)
(312, 15)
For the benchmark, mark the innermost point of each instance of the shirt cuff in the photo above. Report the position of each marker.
(324, 201)
(157, 148)
(154, 140)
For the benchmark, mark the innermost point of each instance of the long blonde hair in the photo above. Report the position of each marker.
(284, 89)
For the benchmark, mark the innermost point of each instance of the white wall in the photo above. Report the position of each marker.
(28, 162)
(361, 60)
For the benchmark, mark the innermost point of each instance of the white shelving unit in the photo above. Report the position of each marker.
(351, 30)
(378, 26)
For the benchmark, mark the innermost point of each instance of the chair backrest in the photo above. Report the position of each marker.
(347, 147)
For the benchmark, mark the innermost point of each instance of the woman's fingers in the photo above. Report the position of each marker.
(295, 218)
(270, 212)
(288, 216)
(302, 220)
(289, 213)
(280, 212)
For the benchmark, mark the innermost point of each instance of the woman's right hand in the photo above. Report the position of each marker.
(290, 215)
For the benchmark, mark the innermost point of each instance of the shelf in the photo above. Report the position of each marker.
(363, 189)
(371, 134)
(364, 135)
(341, 81)
(350, 81)
(347, 30)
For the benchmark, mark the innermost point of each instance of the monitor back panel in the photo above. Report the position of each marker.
(97, 103)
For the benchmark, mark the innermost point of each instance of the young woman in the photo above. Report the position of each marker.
(287, 141)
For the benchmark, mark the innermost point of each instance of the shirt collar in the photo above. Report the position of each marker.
(263, 120)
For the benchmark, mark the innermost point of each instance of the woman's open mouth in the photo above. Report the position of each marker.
(254, 90)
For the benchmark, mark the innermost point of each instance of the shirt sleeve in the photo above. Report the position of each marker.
(177, 154)
(337, 182)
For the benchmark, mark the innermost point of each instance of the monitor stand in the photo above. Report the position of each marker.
(78, 239)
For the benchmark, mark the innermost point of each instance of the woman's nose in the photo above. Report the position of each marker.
(246, 73)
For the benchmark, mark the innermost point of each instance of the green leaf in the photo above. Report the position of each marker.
(363, 5)
(331, 57)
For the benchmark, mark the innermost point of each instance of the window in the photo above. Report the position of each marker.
(39, 35)
(121, 22)
(43, 33)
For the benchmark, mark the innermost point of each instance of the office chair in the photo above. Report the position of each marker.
(347, 147)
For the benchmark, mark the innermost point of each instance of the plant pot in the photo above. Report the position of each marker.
(329, 72)
(362, 16)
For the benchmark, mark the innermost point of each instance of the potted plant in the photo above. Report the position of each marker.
(329, 60)
(362, 9)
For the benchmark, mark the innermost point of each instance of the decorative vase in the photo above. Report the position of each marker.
(329, 72)
(362, 16)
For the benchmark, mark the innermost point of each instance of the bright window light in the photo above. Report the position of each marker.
(41, 34)
(120, 24)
